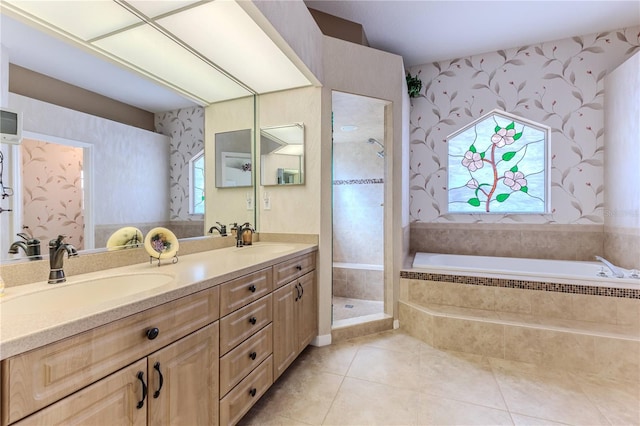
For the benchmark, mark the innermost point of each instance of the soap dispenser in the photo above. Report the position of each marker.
(247, 235)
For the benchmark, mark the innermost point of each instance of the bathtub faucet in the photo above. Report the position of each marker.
(614, 269)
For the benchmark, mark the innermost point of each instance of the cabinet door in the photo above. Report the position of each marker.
(183, 380)
(307, 310)
(110, 401)
(284, 328)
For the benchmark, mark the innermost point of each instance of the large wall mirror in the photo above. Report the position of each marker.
(131, 174)
(282, 155)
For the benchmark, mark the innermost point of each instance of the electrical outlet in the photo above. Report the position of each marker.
(249, 203)
(267, 202)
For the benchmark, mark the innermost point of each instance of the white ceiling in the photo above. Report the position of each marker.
(420, 31)
(432, 30)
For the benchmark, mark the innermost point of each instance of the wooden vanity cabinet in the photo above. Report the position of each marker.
(295, 311)
(189, 371)
(85, 362)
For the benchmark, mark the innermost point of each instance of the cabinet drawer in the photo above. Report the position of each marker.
(240, 292)
(291, 269)
(42, 376)
(236, 327)
(242, 397)
(235, 365)
(111, 401)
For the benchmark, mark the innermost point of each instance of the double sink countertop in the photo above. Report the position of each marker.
(33, 315)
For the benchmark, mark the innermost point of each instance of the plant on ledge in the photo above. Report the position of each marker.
(414, 84)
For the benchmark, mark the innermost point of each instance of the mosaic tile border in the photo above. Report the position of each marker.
(357, 181)
(525, 285)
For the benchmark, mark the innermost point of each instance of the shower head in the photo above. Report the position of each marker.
(372, 141)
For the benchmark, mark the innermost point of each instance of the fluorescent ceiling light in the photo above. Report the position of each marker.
(149, 50)
(154, 8)
(82, 19)
(234, 42)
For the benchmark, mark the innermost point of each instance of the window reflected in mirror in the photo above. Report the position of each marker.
(282, 155)
(196, 184)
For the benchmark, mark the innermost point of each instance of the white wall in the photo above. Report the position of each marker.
(621, 160)
(296, 208)
(226, 205)
(130, 165)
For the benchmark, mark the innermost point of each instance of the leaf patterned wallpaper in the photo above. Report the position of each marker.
(185, 128)
(52, 198)
(559, 84)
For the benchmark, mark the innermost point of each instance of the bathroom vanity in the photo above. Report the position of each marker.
(201, 349)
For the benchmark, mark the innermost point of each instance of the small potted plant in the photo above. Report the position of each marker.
(414, 84)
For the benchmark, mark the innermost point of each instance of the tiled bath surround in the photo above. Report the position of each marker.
(567, 242)
(595, 334)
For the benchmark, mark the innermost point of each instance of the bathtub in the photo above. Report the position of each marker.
(358, 281)
(541, 270)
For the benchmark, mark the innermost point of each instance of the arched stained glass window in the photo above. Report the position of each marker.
(499, 164)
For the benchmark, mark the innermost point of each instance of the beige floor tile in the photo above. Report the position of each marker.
(399, 369)
(544, 393)
(463, 377)
(345, 308)
(395, 340)
(334, 359)
(302, 394)
(619, 402)
(520, 420)
(360, 402)
(441, 411)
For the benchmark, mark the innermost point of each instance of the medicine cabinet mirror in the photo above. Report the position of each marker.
(282, 155)
(233, 159)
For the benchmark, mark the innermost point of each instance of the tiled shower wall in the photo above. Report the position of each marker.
(559, 84)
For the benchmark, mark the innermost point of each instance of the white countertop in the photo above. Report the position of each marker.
(20, 332)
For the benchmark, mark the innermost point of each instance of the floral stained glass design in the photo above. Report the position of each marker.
(498, 164)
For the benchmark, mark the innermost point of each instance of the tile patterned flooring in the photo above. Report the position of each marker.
(391, 378)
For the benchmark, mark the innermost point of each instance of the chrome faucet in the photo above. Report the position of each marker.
(614, 269)
(246, 227)
(31, 246)
(222, 229)
(57, 248)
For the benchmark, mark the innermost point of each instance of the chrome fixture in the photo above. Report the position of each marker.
(381, 152)
(31, 246)
(222, 229)
(57, 248)
(614, 269)
(239, 234)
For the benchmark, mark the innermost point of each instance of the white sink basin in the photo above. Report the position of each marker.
(70, 296)
(262, 248)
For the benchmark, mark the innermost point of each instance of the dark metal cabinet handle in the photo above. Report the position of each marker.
(152, 333)
(253, 320)
(253, 391)
(297, 293)
(299, 267)
(252, 288)
(253, 355)
(140, 377)
(156, 367)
